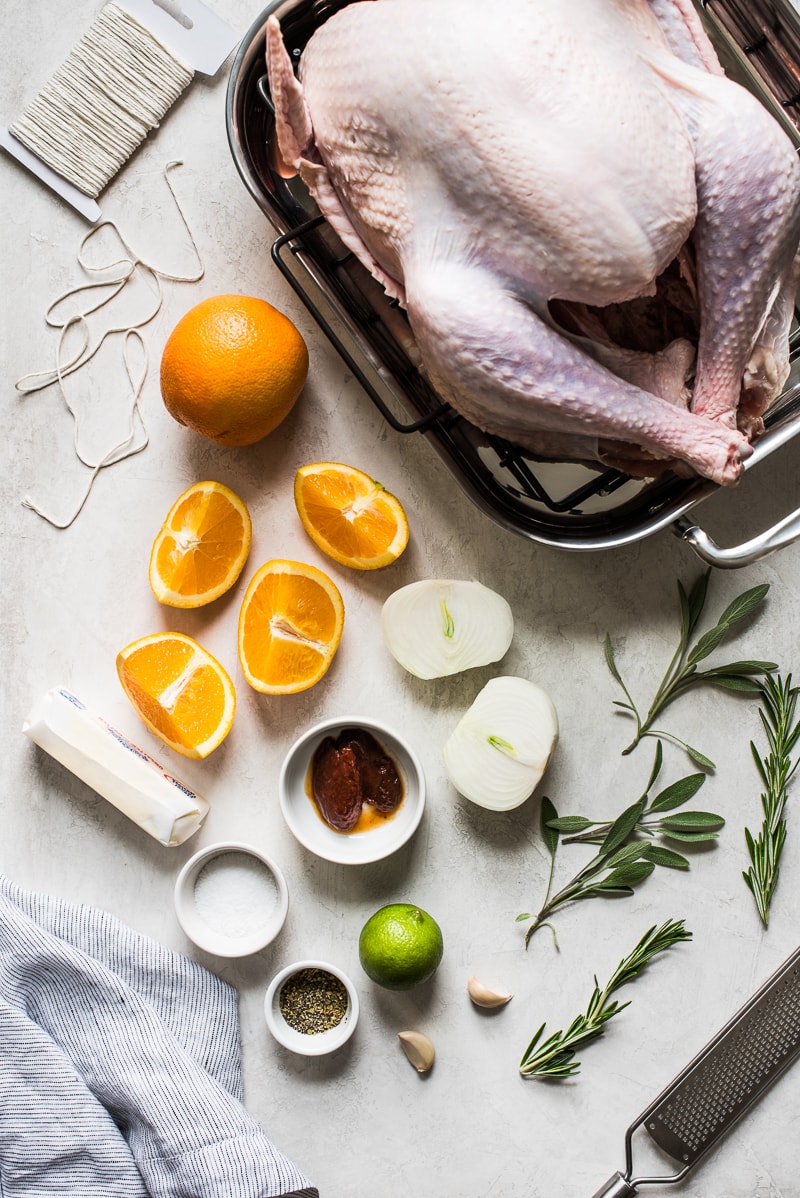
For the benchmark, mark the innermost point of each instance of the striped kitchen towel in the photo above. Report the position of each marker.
(120, 1067)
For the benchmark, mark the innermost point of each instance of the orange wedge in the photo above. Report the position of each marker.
(290, 625)
(180, 691)
(201, 548)
(349, 516)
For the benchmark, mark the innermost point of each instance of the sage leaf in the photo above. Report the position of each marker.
(744, 667)
(690, 837)
(629, 852)
(735, 682)
(697, 601)
(700, 758)
(622, 826)
(693, 821)
(549, 818)
(610, 662)
(707, 644)
(744, 604)
(661, 856)
(570, 823)
(678, 793)
(656, 770)
(686, 614)
(627, 875)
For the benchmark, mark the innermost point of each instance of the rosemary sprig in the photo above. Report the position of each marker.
(777, 712)
(682, 673)
(624, 858)
(555, 1056)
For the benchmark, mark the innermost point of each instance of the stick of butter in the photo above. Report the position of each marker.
(116, 768)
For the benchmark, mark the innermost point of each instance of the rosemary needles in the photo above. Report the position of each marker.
(555, 1056)
(777, 712)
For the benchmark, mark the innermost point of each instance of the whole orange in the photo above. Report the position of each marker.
(232, 369)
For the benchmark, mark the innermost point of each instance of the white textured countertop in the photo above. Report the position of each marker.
(362, 1123)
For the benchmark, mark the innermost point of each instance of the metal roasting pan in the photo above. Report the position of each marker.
(561, 504)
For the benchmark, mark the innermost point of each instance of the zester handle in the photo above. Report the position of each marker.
(616, 1187)
(777, 537)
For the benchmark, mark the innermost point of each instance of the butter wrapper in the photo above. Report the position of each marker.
(104, 758)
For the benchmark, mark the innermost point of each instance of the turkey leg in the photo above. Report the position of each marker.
(483, 346)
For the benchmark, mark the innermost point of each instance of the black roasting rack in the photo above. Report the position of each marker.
(762, 40)
(566, 504)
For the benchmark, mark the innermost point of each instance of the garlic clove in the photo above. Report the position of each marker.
(483, 996)
(418, 1048)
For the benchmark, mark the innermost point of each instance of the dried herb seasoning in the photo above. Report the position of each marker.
(313, 1001)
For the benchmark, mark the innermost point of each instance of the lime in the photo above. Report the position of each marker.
(400, 946)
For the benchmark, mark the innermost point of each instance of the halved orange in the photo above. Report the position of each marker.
(201, 548)
(290, 625)
(349, 515)
(180, 691)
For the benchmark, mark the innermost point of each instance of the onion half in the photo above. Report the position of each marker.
(435, 627)
(501, 747)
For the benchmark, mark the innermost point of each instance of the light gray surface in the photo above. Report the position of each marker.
(363, 1123)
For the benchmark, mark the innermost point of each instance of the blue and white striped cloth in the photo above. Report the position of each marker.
(120, 1067)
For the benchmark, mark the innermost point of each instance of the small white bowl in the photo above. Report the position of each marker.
(358, 847)
(220, 913)
(320, 1043)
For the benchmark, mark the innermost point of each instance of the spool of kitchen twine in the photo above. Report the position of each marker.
(100, 104)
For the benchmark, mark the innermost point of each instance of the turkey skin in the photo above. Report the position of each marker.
(594, 232)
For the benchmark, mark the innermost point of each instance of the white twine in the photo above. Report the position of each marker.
(113, 88)
(124, 448)
(126, 268)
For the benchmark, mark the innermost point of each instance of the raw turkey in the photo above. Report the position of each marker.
(593, 230)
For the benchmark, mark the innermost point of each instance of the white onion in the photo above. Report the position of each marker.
(436, 627)
(501, 747)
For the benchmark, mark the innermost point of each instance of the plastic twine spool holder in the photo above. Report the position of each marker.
(114, 87)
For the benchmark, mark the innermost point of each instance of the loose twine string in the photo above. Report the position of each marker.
(126, 268)
(112, 89)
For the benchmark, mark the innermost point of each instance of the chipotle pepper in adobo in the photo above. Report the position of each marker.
(379, 776)
(349, 771)
(336, 785)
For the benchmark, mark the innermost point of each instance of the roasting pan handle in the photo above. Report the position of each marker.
(779, 536)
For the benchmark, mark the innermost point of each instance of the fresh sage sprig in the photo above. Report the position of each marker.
(777, 712)
(689, 826)
(547, 817)
(625, 857)
(683, 674)
(555, 1057)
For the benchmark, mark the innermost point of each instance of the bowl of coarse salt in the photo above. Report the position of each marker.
(231, 899)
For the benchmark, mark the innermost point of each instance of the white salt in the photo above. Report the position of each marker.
(235, 894)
